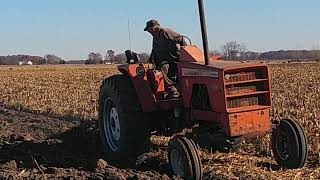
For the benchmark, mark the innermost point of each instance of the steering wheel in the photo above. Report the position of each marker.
(186, 37)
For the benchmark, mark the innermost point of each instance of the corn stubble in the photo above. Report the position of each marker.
(72, 91)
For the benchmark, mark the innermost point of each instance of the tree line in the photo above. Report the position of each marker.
(231, 50)
(37, 60)
(112, 58)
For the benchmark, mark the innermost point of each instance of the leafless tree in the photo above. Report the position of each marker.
(53, 59)
(110, 56)
(120, 58)
(249, 55)
(94, 58)
(144, 57)
(242, 51)
(231, 50)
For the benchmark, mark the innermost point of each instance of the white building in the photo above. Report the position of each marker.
(25, 63)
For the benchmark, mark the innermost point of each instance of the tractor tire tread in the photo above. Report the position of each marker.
(123, 94)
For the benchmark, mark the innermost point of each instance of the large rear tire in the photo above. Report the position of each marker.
(289, 144)
(184, 159)
(123, 131)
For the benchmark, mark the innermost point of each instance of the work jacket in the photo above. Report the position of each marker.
(166, 47)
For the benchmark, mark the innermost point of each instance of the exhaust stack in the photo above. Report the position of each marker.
(204, 31)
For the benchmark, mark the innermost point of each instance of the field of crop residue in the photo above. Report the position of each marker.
(48, 127)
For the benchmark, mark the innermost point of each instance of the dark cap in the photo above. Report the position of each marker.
(151, 23)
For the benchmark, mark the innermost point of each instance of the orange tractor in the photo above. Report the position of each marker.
(222, 102)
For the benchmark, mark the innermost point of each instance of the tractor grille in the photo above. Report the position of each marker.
(247, 88)
(241, 102)
(241, 89)
(242, 76)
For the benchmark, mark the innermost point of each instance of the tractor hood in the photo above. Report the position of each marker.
(193, 55)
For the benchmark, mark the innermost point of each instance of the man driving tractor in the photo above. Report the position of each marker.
(165, 54)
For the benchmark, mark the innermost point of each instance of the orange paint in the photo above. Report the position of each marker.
(215, 57)
(250, 122)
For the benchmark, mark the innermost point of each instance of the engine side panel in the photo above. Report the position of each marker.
(195, 74)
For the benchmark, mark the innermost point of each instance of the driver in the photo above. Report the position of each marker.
(165, 53)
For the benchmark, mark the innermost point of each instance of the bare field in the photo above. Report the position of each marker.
(47, 127)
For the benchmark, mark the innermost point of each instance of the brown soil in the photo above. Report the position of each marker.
(35, 146)
(42, 136)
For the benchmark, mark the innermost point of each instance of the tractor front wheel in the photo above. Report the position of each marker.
(289, 144)
(184, 159)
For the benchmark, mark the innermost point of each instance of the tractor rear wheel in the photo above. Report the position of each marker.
(184, 159)
(289, 144)
(123, 131)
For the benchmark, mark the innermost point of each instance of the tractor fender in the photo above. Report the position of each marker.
(137, 73)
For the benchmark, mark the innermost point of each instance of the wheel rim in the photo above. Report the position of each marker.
(111, 124)
(177, 163)
(115, 125)
(282, 145)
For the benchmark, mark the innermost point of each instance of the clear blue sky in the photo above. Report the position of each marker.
(73, 28)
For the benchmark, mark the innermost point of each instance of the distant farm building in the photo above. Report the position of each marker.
(25, 63)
